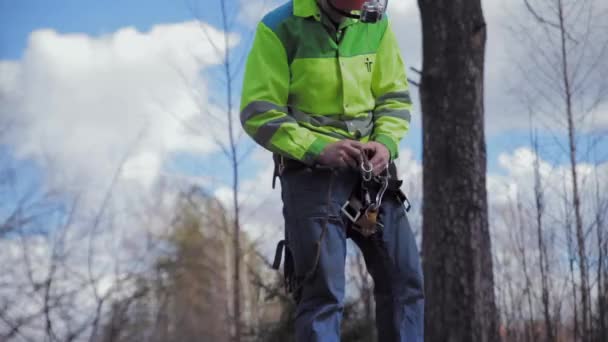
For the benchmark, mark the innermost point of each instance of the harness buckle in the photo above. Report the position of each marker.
(350, 212)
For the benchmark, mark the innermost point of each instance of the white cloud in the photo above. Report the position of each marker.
(599, 118)
(252, 11)
(142, 168)
(82, 103)
(517, 184)
(504, 53)
(513, 218)
(402, 7)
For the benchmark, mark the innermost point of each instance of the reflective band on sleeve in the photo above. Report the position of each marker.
(259, 107)
(266, 131)
(401, 96)
(396, 113)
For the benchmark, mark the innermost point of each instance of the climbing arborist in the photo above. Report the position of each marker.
(325, 90)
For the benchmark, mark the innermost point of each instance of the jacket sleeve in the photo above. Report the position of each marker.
(264, 113)
(390, 88)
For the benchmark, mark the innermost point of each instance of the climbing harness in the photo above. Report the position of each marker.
(362, 207)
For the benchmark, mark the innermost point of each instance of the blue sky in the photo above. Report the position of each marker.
(19, 18)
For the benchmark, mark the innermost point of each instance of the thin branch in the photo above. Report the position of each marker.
(543, 20)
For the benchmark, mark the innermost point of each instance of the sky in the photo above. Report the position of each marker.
(99, 91)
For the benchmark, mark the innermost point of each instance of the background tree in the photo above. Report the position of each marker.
(229, 136)
(564, 72)
(184, 298)
(456, 243)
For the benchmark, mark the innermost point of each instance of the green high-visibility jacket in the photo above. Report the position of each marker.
(308, 84)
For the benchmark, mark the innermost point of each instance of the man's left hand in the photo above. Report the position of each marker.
(379, 154)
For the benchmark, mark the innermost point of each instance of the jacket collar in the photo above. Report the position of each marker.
(310, 8)
(306, 8)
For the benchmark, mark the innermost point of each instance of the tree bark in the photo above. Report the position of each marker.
(457, 257)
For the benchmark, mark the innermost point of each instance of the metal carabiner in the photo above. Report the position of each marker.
(366, 167)
(381, 192)
(380, 195)
(366, 173)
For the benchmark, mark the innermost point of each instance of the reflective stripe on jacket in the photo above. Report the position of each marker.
(307, 84)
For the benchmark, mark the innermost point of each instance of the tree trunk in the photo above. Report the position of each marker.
(457, 257)
(527, 290)
(234, 164)
(543, 255)
(602, 304)
(580, 235)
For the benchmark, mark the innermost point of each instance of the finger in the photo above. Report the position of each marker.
(371, 150)
(378, 169)
(355, 144)
(378, 159)
(343, 164)
(353, 151)
(380, 163)
(350, 161)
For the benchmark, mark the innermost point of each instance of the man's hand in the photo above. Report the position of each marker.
(379, 154)
(341, 154)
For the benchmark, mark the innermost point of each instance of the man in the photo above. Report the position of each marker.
(324, 91)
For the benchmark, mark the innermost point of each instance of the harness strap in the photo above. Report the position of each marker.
(278, 255)
(279, 167)
(394, 186)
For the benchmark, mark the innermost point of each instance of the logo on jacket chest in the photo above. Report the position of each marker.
(368, 64)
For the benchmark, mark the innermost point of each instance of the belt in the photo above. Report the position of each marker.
(284, 163)
(281, 164)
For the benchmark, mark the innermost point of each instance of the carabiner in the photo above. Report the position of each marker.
(366, 173)
(380, 194)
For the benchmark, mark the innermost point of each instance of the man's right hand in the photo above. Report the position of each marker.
(341, 154)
